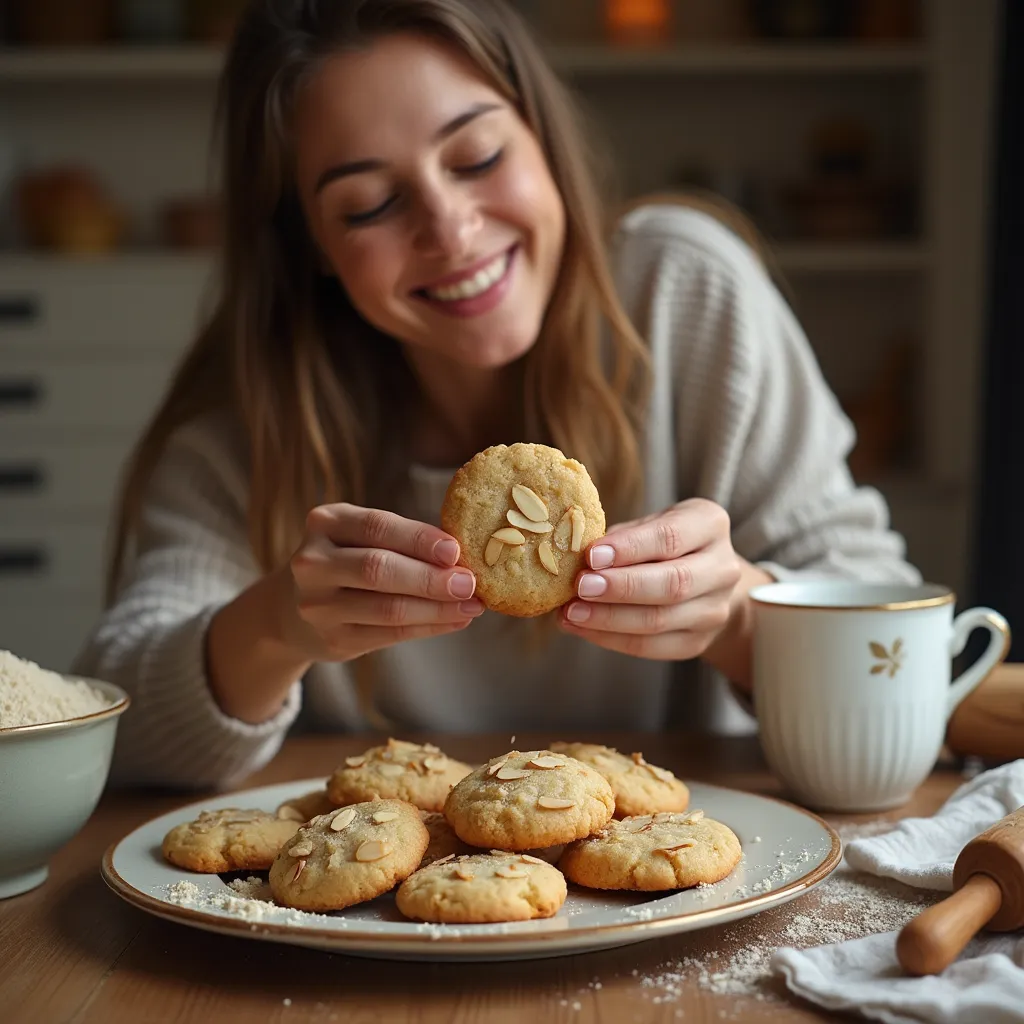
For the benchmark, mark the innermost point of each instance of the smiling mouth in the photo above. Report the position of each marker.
(472, 287)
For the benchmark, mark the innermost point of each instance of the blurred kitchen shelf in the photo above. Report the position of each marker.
(850, 257)
(24, 64)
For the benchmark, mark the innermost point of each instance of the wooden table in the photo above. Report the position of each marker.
(73, 951)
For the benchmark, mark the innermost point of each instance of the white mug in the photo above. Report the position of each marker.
(852, 685)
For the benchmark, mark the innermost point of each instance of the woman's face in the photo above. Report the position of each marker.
(430, 199)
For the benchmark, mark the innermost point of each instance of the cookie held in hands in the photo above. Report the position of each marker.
(523, 515)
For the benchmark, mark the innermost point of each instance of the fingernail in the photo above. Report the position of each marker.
(461, 585)
(577, 612)
(446, 552)
(602, 557)
(473, 607)
(592, 586)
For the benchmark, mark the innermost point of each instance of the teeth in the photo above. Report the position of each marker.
(483, 279)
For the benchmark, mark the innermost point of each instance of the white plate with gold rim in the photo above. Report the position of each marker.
(786, 851)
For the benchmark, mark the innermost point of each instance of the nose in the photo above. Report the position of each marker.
(450, 222)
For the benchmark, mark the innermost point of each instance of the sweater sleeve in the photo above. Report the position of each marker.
(191, 558)
(757, 428)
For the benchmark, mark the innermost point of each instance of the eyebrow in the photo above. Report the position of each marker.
(362, 166)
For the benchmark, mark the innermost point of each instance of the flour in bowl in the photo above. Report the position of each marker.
(30, 695)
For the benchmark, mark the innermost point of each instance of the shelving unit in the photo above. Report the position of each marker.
(140, 118)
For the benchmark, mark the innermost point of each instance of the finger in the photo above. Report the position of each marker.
(682, 579)
(350, 525)
(374, 638)
(364, 608)
(706, 614)
(687, 527)
(679, 646)
(390, 573)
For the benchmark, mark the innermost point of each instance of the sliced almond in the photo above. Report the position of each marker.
(431, 749)
(669, 850)
(301, 849)
(661, 774)
(373, 849)
(383, 816)
(638, 758)
(529, 503)
(289, 813)
(299, 868)
(636, 824)
(530, 859)
(493, 551)
(392, 771)
(505, 773)
(343, 819)
(693, 817)
(563, 532)
(464, 873)
(356, 762)
(663, 816)
(579, 521)
(435, 764)
(444, 860)
(510, 871)
(547, 557)
(496, 767)
(520, 521)
(546, 761)
(509, 535)
(553, 803)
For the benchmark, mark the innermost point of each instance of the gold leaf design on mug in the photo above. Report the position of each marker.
(889, 661)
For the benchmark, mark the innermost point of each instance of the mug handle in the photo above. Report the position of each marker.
(998, 647)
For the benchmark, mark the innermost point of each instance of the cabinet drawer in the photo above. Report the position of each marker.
(40, 478)
(138, 302)
(48, 632)
(75, 393)
(46, 557)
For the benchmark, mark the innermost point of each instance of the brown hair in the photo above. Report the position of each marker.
(290, 358)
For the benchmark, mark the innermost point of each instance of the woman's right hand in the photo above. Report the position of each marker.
(364, 579)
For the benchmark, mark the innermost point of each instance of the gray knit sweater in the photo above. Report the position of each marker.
(739, 414)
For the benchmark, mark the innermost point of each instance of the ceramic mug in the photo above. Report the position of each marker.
(852, 685)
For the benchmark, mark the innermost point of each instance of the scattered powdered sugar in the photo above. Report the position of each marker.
(246, 907)
(253, 887)
(30, 695)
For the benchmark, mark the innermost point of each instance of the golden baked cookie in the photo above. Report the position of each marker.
(652, 853)
(422, 775)
(639, 787)
(309, 805)
(443, 840)
(231, 839)
(523, 515)
(483, 888)
(349, 856)
(524, 801)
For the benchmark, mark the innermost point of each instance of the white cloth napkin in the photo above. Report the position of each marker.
(985, 985)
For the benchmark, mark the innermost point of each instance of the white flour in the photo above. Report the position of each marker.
(30, 695)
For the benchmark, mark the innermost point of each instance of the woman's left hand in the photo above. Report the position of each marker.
(659, 587)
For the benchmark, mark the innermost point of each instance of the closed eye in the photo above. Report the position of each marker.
(367, 216)
(483, 167)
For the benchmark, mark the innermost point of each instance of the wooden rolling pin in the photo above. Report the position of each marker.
(989, 723)
(988, 892)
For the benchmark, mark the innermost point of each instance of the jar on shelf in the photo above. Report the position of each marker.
(642, 22)
(151, 21)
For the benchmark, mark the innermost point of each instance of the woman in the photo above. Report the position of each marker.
(414, 269)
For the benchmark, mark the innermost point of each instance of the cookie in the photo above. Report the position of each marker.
(639, 787)
(309, 805)
(443, 840)
(481, 889)
(231, 839)
(525, 801)
(523, 515)
(652, 853)
(420, 775)
(349, 856)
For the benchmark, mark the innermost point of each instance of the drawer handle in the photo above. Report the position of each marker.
(23, 561)
(19, 394)
(17, 309)
(18, 477)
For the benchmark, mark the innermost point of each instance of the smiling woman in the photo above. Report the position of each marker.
(417, 266)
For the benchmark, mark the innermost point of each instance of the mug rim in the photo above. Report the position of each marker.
(934, 596)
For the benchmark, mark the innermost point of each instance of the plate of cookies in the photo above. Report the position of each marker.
(406, 853)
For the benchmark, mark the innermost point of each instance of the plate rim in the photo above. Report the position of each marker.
(350, 938)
